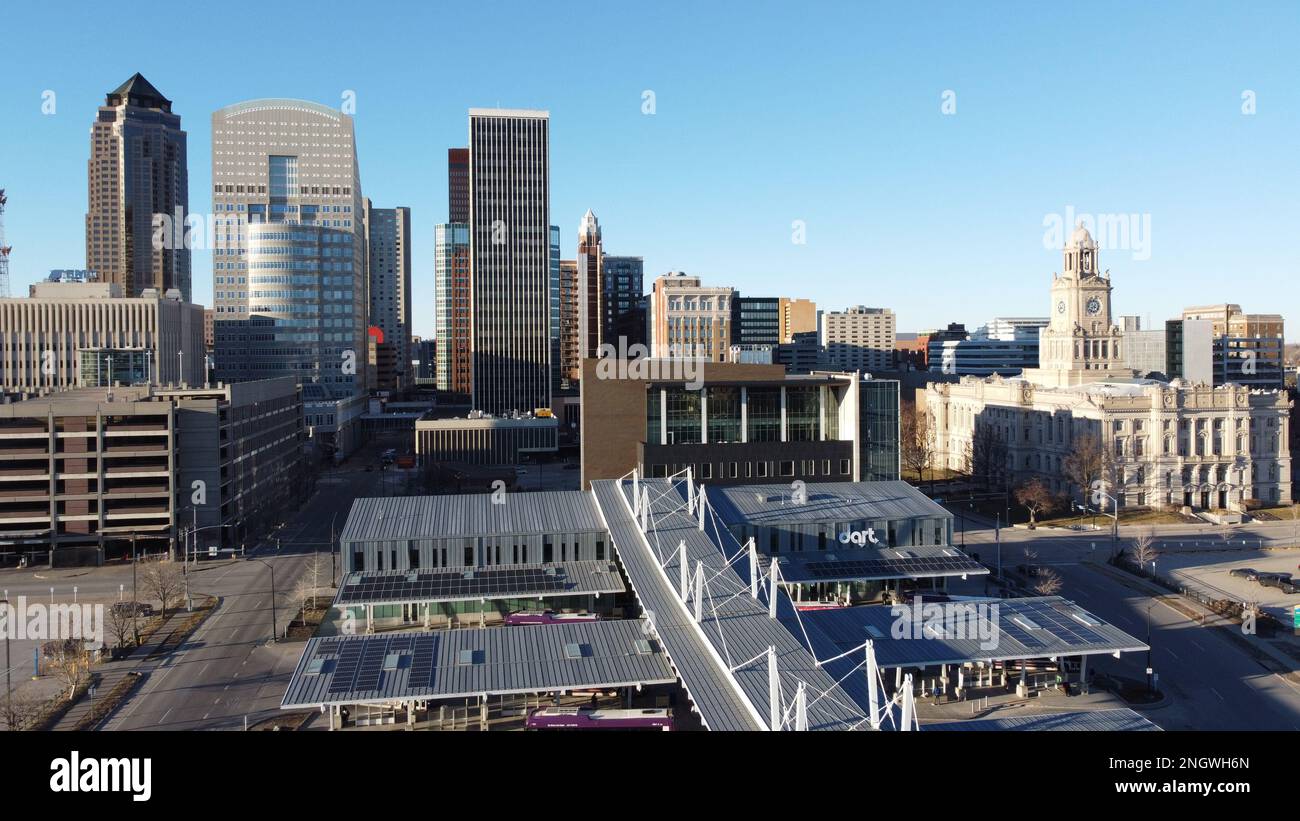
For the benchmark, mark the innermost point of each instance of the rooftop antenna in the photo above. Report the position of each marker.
(4, 249)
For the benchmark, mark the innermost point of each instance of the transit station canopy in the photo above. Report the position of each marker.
(409, 666)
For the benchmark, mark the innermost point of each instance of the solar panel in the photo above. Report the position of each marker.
(459, 583)
(422, 661)
(372, 662)
(346, 670)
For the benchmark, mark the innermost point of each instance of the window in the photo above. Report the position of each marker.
(787, 468)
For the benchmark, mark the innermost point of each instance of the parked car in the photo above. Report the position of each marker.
(1248, 573)
(123, 608)
(1289, 586)
(1273, 579)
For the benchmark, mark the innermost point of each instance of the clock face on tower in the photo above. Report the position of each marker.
(1094, 306)
(1060, 307)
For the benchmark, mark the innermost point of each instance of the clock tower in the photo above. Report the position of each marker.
(1080, 344)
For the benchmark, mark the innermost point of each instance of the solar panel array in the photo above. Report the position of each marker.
(1058, 619)
(361, 664)
(469, 583)
(889, 568)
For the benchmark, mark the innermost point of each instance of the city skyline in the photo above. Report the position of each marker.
(886, 188)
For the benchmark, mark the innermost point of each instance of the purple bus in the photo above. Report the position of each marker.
(587, 718)
(548, 617)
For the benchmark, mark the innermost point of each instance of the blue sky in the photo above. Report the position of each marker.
(828, 113)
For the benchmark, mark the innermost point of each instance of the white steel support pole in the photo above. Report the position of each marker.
(873, 705)
(699, 591)
(801, 708)
(636, 492)
(753, 570)
(645, 510)
(909, 703)
(685, 571)
(702, 502)
(771, 592)
(773, 692)
(690, 491)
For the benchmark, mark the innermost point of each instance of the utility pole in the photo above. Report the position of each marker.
(135, 600)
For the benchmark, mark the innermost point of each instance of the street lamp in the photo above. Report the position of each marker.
(270, 567)
(1150, 669)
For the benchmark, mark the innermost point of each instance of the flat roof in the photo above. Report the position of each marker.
(1120, 719)
(968, 631)
(468, 584)
(871, 563)
(826, 502)
(461, 663)
(471, 515)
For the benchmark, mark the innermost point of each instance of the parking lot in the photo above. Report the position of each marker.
(1211, 572)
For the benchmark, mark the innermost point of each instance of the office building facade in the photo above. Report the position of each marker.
(739, 424)
(87, 334)
(797, 316)
(859, 338)
(1248, 349)
(511, 262)
(289, 252)
(388, 245)
(689, 320)
(137, 169)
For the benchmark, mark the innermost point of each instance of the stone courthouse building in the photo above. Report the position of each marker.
(1165, 444)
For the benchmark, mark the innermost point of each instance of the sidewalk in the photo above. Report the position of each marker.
(112, 672)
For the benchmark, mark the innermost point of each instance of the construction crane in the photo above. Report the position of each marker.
(4, 249)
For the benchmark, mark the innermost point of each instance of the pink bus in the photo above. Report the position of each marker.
(548, 617)
(587, 718)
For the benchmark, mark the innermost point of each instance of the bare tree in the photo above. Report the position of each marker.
(1048, 584)
(917, 447)
(1086, 464)
(986, 454)
(19, 710)
(1035, 497)
(1143, 551)
(163, 581)
(71, 660)
(120, 625)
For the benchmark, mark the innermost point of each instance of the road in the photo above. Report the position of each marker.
(1212, 682)
(228, 670)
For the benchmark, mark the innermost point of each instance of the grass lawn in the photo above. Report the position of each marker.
(1136, 517)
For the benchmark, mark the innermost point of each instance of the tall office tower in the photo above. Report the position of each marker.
(388, 243)
(136, 170)
(289, 247)
(689, 320)
(622, 301)
(590, 282)
(458, 185)
(451, 307)
(570, 361)
(860, 338)
(512, 270)
(797, 316)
